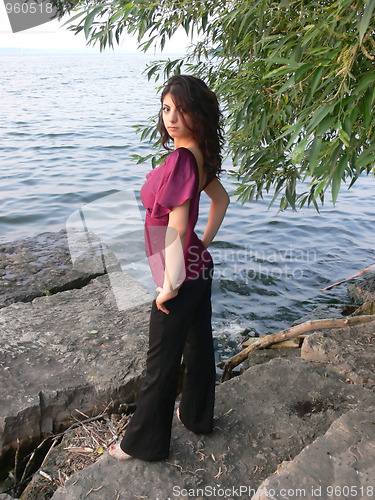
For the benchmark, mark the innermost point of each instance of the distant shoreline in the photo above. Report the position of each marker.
(23, 51)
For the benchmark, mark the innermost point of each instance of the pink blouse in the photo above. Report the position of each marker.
(169, 186)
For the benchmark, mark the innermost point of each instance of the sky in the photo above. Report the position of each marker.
(53, 35)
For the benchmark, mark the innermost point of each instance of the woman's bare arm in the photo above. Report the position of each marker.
(174, 254)
(219, 204)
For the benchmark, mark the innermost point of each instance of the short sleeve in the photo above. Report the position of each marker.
(179, 182)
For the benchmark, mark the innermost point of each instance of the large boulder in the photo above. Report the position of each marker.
(264, 417)
(72, 350)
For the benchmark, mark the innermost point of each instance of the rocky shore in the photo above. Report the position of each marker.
(297, 423)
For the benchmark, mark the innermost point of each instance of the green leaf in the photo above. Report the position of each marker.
(297, 129)
(345, 139)
(298, 151)
(204, 21)
(367, 112)
(366, 18)
(321, 113)
(263, 121)
(354, 115)
(276, 72)
(316, 79)
(74, 18)
(302, 70)
(337, 177)
(314, 153)
(290, 193)
(325, 125)
(321, 186)
(283, 60)
(90, 18)
(366, 160)
(287, 84)
(365, 82)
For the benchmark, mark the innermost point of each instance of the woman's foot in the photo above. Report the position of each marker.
(116, 452)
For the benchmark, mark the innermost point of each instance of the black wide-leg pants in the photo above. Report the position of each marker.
(186, 331)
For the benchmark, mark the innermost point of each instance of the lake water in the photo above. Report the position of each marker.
(67, 138)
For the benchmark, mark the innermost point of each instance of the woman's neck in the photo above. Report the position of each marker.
(188, 144)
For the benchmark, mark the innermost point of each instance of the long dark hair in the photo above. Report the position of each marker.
(196, 99)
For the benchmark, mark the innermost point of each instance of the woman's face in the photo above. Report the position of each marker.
(178, 123)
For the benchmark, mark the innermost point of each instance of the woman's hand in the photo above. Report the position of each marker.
(164, 297)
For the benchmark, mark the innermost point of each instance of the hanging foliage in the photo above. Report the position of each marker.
(296, 80)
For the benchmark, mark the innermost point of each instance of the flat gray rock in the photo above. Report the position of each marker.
(37, 265)
(264, 417)
(322, 312)
(73, 350)
(350, 352)
(339, 464)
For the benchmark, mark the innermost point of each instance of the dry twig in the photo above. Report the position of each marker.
(360, 273)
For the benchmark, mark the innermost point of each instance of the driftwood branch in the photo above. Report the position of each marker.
(360, 273)
(290, 333)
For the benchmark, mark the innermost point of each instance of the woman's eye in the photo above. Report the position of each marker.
(165, 110)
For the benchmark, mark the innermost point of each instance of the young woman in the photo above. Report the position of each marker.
(180, 322)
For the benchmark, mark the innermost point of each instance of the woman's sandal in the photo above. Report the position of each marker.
(116, 452)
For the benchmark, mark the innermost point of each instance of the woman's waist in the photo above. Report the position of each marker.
(195, 250)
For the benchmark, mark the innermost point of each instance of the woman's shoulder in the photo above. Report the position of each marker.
(181, 153)
(180, 159)
(194, 154)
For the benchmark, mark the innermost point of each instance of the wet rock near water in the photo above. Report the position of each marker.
(363, 290)
(265, 355)
(322, 312)
(34, 266)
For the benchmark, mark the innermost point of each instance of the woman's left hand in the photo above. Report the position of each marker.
(164, 297)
